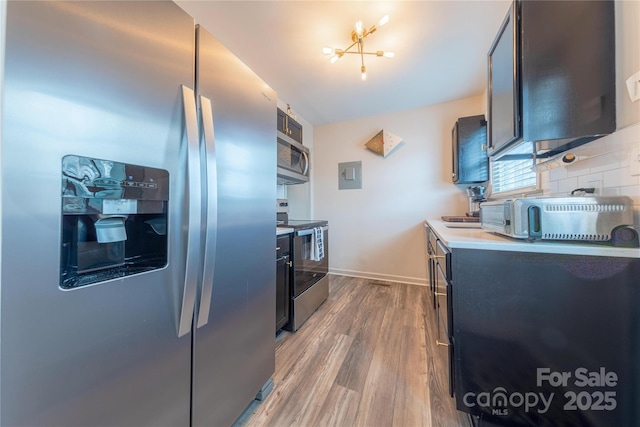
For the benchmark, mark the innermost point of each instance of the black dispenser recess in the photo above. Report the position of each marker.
(114, 220)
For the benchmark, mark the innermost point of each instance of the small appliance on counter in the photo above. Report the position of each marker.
(607, 219)
(476, 196)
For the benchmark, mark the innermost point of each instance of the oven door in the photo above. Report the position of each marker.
(308, 269)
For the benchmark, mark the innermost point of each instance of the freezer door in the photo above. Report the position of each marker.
(234, 353)
(95, 80)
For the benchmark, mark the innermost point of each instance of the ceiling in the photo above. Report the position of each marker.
(440, 48)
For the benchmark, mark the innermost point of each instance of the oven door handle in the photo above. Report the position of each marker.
(309, 231)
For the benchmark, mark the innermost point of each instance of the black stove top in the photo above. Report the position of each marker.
(299, 224)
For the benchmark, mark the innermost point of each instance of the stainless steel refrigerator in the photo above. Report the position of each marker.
(137, 219)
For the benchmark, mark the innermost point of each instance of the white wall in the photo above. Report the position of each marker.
(377, 231)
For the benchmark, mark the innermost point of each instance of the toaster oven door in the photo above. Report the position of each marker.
(496, 217)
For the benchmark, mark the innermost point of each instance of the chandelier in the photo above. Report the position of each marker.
(357, 36)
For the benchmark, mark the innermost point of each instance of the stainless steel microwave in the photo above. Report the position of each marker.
(293, 161)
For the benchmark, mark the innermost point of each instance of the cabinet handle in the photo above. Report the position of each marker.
(439, 256)
(444, 344)
(484, 147)
(277, 248)
(290, 263)
(440, 294)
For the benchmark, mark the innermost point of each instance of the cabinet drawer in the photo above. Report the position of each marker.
(443, 302)
(443, 259)
(282, 245)
(444, 340)
(432, 241)
(429, 238)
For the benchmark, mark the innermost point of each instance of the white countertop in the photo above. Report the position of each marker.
(283, 230)
(477, 238)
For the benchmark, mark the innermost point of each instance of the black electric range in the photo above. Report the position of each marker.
(309, 282)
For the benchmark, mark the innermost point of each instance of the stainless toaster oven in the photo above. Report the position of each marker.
(591, 218)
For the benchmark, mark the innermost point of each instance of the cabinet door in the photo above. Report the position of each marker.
(517, 312)
(568, 72)
(295, 129)
(282, 122)
(444, 338)
(470, 161)
(444, 312)
(503, 109)
(289, 126)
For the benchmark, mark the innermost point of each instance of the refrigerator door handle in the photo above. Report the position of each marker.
(193, 224)
(210, 188)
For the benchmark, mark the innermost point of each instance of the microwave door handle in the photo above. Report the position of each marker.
(194, 207)
(306, 163)
(210, 185)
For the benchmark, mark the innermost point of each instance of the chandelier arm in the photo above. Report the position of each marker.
(350, 46)
(363, 53)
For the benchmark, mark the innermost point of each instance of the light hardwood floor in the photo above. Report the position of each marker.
(367, 357)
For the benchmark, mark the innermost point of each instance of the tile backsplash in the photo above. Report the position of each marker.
(610, 164)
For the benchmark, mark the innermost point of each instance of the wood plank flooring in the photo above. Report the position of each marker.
(367, 357)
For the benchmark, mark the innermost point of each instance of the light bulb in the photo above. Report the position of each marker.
(328, 50)
(359, 28)
(383, 20)
(364, 73)
(389, 54)
(334, 59)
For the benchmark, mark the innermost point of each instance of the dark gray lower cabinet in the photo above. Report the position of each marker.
(283, 287)
(439, 272)
(546, 339)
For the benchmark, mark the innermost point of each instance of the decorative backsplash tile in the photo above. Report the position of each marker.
(610, 164)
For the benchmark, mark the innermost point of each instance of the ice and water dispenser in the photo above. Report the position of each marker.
(114, 220)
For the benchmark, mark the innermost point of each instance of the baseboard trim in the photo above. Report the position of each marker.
(378, 276)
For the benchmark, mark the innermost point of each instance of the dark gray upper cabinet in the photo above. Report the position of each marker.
(470, 161)
(552, 75)
(504, 102)
(289, 126)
